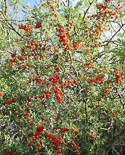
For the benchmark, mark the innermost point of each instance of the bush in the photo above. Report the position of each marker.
(62, 78)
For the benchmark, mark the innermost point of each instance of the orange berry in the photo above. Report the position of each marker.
(116, 112)
(55, 115)
(20, 120)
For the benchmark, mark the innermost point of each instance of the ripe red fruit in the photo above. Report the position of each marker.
(31, 123)
(50, 108)
(107, 0)
(93, 137)
(13, 55)
(108, 82)
(73, 137)
(64, 143)
(22, 110)
(42, 101)
(59, 151)
(37, 143)
(31, 133)
(39, 148)
(10, 152)
(59, 134)
(1, 94)
(33, 138)
(79, 79)
(28, 119)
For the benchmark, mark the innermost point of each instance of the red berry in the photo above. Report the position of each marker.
(10, 152)
(22, 110)
(39, 148)
(59, 151)
(31, 123)
(93, 137)
(73, 137)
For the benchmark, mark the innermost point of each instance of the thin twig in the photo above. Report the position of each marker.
(114, 34)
